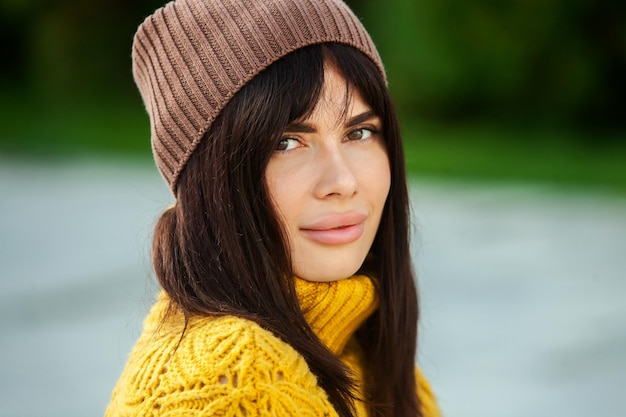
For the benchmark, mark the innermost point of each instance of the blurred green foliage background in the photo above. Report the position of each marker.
(518, 89)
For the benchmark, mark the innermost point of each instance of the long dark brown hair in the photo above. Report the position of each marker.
(222, 250)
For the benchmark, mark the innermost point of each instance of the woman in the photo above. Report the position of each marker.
(285, 265)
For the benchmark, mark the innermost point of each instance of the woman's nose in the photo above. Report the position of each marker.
(336, 176)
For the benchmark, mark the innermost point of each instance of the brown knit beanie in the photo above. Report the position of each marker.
(191, 56)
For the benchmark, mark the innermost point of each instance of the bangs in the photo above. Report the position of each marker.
(289, 89)
(361, 74)
(286, 91)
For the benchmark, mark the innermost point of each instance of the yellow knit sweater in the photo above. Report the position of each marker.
(228, 366)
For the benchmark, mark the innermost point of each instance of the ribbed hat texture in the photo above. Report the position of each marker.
(191, 56)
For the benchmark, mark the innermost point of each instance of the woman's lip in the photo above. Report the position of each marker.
(336, 220)
(336, 236)
(336, 228)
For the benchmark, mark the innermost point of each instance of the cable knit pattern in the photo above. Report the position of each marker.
(228, 366)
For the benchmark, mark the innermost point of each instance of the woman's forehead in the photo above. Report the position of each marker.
(338, 99)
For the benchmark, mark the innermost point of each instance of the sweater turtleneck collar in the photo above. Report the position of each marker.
(336, 309)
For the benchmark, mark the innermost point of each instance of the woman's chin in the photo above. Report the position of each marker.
(326, 274)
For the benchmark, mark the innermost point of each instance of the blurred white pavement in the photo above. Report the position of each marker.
(523, 291)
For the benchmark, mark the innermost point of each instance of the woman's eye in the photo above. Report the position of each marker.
(287, 144)
(359, 134)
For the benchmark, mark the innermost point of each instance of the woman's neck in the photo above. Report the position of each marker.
(336, 309)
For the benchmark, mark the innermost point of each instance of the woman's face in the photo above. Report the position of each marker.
(329, 178)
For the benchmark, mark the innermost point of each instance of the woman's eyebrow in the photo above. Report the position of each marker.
(360, 118)
(302, 127)
(299, 127)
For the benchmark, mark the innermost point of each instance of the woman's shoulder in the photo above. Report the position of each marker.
(230, 343)
(219, 363)
(166, 327)
(430, 408)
